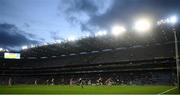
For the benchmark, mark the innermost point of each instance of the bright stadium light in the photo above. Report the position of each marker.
(32, 46)
(1, 49)
(71, 38)
(170, 20)
(58, 41)
(118, 30)
(173, 19)
(142, 25)
(24, 47)
(101, 33)
(45, 43)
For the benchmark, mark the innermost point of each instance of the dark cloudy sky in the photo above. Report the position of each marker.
(26, 22)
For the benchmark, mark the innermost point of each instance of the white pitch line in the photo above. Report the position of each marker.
(168, 90)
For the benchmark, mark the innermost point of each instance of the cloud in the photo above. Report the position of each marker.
(26, 25)
(80, 11)
(11, 36)
(92, 15)
(125, 11)
(55, 36)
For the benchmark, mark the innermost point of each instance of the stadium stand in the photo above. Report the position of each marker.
(96, 61)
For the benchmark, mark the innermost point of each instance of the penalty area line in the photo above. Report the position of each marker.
(168, 90)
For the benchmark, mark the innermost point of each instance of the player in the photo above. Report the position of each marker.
(35, 82)
(10, 82)
(52, 81)
(81, 83)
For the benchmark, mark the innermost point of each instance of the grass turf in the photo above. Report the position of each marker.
(66, 89)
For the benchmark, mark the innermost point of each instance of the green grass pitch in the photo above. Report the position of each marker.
(75, 89)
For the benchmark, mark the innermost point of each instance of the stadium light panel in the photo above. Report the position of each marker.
(118, 30)
(173, 19)
(142, 25)
(170, 20)
(32, 46)
(24, 47)
(1, 49)
(58, 41)
(72, 38)
(45, 43)
(101, 33)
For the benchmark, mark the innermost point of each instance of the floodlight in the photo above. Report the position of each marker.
(71, 38)
(1, 49)
(118, 30)
(173, 19)
(58, 41)
(24, 47)
(101, 33)
(142, 25)
(45, 43)
(32, 46)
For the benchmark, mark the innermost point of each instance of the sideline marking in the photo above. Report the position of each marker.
(168, 90)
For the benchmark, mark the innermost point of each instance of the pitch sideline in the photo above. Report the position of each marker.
(168, 90)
